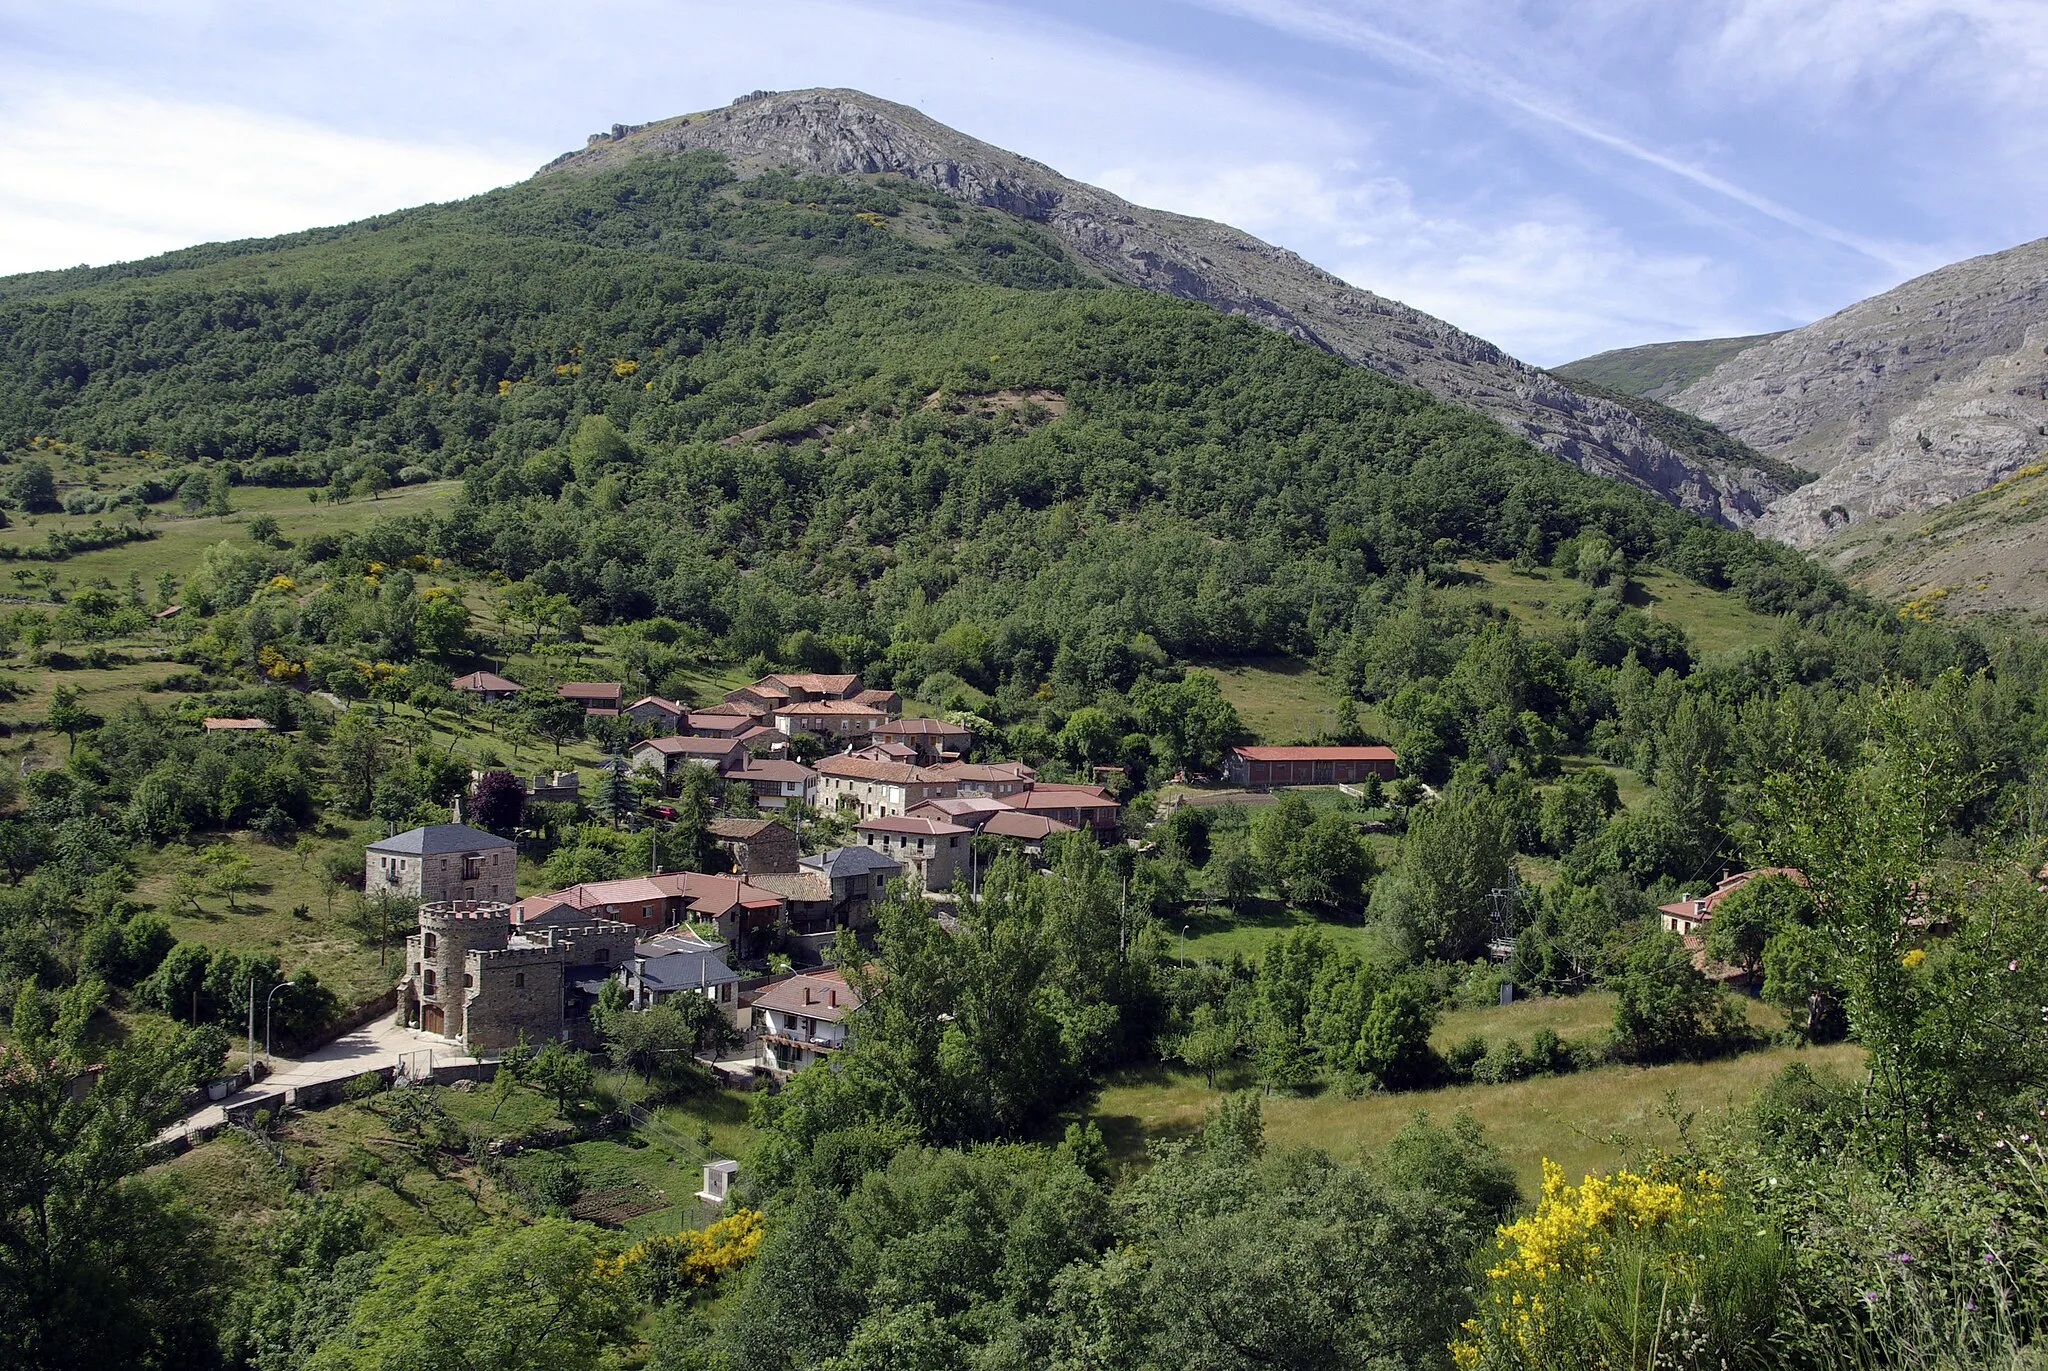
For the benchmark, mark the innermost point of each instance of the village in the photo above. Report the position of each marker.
(489, 968)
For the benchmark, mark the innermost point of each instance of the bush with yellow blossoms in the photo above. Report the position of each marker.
(673, 1264)
(1627, 1271)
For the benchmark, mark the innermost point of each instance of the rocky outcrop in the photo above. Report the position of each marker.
(1908, 400)
(846, 133)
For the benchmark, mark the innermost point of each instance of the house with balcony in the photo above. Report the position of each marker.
(777, 781)
(934, 849)
(803, 1019)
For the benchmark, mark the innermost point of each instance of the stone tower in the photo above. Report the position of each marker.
(435, 989)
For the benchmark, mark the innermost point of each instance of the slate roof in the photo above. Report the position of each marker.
(842, 862)
(687, 970)
(435, 839)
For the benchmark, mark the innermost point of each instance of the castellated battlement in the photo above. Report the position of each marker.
(446, 912)
(515, 956)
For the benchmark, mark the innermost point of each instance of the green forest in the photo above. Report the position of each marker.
(671, 427)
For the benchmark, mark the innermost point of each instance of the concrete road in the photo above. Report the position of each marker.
(378, 1044)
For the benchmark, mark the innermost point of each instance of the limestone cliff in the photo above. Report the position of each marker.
(846, 133)
(1908, 400)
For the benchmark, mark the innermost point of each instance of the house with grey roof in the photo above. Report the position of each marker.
(442, 862)
(677, 963)
(856, 877)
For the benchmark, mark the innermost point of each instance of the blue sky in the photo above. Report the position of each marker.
(1561, 177)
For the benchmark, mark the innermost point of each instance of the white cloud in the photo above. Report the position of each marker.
(100, 176)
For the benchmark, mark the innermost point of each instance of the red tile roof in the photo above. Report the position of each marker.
(590, 690)
(1032, 828)
(917, 827)
(924, 728)
(1368, 753)
(1702, 907)
(823, 708)
(819, 995)
(481, 681)
(867, 769)
(214, 725)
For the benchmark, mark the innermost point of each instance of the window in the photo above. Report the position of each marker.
(431, 943)
(430, 983)
(467, 980)
(519, 980)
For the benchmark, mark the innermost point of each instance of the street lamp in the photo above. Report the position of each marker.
(266, 1016)
(1183, 944)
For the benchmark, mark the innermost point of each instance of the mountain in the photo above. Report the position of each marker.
(1905, 401)
(843, 133)
(1657, 371)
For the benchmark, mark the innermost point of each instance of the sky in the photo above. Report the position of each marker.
(1560, 176)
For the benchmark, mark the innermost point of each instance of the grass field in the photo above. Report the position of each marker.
(1716, 621)
(180, 540)
(1282, 699)
(1214, 933)
(351, 1150)
(262, 920)
(1590, 1121)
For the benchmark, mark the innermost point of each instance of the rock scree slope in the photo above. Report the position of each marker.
(847, 133)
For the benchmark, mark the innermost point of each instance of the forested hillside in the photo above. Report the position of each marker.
(1195, 1096)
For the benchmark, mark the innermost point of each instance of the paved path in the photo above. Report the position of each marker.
(379, 1043)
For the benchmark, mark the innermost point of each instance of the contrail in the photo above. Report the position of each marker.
(1478, 80)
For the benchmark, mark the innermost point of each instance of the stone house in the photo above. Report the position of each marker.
(441, 862)
(888, 701)
(1082, 806)
(933, 740)
(772, 692)
(661, 718)
(855, 877)
(722, 723)
(757, 845)
(474, 977)
(870, 787)
(803, 1019)
(836, 721)
(665, 755)
(994, 780)
(776, 781)
(932, 848)
(1028, 831)
(600, 699)
(739, 909)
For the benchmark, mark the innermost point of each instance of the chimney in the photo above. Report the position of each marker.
(807, 994)
(832, 998)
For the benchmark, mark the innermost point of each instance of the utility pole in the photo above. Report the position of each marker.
(252, 1021)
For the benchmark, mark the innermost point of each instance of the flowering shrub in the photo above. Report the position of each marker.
(672, 1264)
(1624, 1270)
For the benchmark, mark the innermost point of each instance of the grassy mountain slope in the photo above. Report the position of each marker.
(1657, 370)
(853, 405)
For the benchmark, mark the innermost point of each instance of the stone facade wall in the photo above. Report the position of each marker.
(487, 874)
(515, 991)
